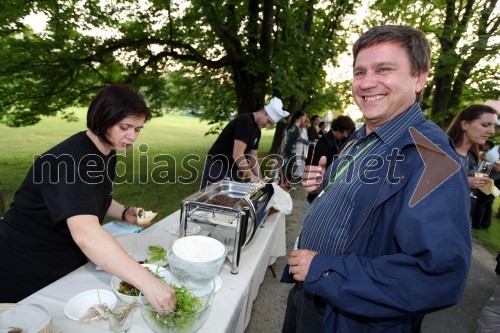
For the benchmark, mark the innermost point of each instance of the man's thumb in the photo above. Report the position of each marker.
(322, 162)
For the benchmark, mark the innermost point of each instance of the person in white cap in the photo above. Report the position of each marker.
(234, 153)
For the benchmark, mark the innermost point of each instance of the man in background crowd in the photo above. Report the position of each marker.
(313, 130)
(330, 143)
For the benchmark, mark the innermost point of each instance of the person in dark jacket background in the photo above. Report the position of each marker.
(330, 143)
(313, 129)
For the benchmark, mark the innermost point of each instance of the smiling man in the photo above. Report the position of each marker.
(387, 239)
(234, 153)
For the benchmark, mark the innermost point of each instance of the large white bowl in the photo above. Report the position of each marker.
(159, 270)
(199, 250)
(79, 304)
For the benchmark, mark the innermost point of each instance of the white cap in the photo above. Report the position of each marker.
(275, 109)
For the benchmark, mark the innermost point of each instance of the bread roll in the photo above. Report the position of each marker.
(144, 217)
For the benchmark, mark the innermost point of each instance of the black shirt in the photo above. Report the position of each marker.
(243, 128)
(312, 133)
(327, 146)
(73, 178)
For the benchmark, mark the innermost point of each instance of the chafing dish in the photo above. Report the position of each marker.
(234, 220)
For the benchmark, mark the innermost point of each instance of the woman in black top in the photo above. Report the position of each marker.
(54, 223)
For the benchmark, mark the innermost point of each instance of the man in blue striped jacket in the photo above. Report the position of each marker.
(387, 239)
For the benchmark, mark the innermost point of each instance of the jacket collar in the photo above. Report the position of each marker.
(396, 128)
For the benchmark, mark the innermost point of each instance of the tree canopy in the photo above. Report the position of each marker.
(227, 57)
(466, 44)
(215, 56)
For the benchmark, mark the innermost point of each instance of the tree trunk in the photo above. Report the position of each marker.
(278, 136)
(293, 106)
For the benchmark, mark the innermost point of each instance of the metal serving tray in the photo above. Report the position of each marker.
(234, 225)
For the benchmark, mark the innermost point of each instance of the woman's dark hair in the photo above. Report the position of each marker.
(296, 115)
(112, 104)
(469, 114)
(342, 124)
(414, 41)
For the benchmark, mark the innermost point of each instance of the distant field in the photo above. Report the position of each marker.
(170, 140)
(149, 171)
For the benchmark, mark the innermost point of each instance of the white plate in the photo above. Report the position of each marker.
(78, 305)
(192, 228)
(218, 283)
(200, 215)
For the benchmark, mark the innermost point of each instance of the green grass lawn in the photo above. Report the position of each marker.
(490, 238)
(153, 174)
(163, 167)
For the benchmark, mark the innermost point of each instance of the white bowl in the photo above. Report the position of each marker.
(79, 304)
(199, 250)
(179, 267)
(159, 270)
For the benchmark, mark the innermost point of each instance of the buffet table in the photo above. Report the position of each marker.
(231, 306)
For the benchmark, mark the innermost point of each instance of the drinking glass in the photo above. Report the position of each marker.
(483, 169)
(121, 317)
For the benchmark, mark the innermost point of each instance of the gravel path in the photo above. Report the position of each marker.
(269, 306)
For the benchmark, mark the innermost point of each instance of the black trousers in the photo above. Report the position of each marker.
(482, 210)
(304, 311)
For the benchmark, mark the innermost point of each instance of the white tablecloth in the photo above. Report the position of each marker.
(232, 304)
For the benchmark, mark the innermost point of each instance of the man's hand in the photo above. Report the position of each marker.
(299, 262)
(312, 177)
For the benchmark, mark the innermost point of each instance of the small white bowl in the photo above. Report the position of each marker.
(79, 304)
(199, 250)
(161, 271)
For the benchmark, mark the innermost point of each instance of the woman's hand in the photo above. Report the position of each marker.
(477, 182)
(130, 215)
(102, 249)
(159, 294)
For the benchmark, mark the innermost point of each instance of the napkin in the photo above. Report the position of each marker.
(490, 188)
(120, 228)
(281, 200)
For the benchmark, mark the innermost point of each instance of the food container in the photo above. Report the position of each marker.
(197, 294)
(17, 315)
(231, 212)
(197, 254)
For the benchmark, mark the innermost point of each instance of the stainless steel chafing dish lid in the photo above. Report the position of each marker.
(254, 196)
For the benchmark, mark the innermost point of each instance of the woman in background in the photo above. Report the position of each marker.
(301, 149)
(468, 130)
(54, 223)
(292, 140)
